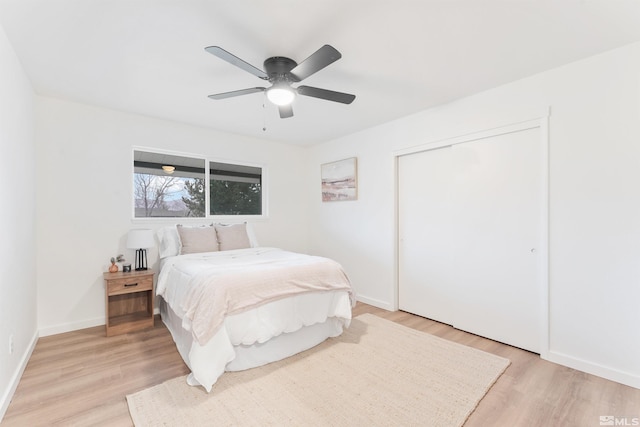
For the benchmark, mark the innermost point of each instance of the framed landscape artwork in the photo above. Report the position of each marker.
(339, 180)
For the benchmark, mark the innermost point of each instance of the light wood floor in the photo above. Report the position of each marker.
(81, 378)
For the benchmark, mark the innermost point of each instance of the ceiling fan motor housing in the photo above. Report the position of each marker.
(278, 68)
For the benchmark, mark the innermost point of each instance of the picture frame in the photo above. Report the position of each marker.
(340, 180)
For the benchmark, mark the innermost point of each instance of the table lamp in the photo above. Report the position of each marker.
(140, 240)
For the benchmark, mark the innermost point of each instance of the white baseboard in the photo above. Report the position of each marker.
(612, 374)
(622, 377)
(73, 326)
(374, 302)
(15, 378)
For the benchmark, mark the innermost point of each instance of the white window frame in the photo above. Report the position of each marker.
(207, 161)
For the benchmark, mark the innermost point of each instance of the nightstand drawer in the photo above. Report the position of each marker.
(130, 284)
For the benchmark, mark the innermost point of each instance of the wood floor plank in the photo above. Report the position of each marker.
(81, 378)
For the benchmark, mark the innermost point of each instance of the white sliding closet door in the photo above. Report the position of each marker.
(470, 233)
(426, 251)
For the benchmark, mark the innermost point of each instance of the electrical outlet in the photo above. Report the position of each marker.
(11, 344)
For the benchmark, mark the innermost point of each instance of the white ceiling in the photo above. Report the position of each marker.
(398, 56)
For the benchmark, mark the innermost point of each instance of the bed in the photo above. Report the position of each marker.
(232, 305)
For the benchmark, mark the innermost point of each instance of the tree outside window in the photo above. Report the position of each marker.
(235, 189)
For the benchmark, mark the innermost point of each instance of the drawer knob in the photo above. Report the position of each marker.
(128, 285)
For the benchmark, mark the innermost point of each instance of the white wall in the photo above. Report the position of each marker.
(359, 234)
(594, 161)
(17, 216)
(84, 159)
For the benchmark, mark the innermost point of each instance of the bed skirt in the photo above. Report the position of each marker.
(285, 327)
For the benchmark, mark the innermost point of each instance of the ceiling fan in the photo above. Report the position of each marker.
(281, 72)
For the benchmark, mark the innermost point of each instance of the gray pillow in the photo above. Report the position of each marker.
(232, 236)
(197, 239)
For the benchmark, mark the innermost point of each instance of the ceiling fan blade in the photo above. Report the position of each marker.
(234, 60)
(322, 57)
(285, 111)
(236, 93)
(329, 95)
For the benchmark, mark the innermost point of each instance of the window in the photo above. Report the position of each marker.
(167, 185)
(235, 189)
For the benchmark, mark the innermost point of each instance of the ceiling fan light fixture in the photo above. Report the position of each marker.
(281, 95)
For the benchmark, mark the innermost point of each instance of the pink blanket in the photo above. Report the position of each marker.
(212, 298)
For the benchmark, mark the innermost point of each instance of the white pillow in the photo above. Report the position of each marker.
(169, 241)
(252, 236)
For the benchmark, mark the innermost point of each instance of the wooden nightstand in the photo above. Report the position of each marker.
(129, 301)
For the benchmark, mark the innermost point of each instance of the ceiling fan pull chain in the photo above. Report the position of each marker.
(264, 112)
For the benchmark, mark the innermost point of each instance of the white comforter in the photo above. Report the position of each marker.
(184, 276)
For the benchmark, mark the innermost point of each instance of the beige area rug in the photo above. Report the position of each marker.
(377, 373)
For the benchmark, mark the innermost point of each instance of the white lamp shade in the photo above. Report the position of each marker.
(140, 239)
(281, 95)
